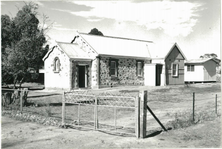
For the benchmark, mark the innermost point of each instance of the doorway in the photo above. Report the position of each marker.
(158, 74)
(82, 76)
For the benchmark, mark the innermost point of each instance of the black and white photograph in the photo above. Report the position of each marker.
(110, 74)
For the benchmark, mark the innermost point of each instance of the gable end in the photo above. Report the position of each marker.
(172, 51)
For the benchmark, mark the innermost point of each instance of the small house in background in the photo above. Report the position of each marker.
(167, 65)
(201, 70)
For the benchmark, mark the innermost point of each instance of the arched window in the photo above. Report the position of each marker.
(56, 65)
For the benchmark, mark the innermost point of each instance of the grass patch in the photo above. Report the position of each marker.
(185, 119)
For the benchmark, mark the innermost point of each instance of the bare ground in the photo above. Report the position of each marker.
(27, 135)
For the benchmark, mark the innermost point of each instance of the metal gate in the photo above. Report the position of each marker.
(102, 111)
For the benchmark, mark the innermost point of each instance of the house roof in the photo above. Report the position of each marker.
(72, 50)
(116, 46)
(162, 50)
(200, 61)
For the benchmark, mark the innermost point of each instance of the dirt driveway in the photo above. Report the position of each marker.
(27, 135)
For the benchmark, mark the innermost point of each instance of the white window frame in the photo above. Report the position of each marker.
(177, 69)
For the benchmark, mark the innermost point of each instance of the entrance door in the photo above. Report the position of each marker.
(158, 74)
(82, 76)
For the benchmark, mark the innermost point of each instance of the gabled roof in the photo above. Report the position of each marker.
(72, 50)
(162, 50)
(200, 61)
(116, 46)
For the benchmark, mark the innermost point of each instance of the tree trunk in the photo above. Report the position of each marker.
(15, 81)
(20, 82)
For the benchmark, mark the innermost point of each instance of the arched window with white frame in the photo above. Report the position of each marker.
(56, 65)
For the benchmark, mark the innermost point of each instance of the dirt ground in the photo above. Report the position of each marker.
(27, 135)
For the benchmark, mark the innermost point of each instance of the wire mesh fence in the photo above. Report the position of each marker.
(182, 109)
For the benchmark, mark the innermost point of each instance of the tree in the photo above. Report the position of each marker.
(22, 44)
(5, 29)
(95, 31)
(212, 55)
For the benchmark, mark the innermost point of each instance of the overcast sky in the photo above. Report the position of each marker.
(193, 24)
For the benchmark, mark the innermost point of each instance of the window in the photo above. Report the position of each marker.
(190, 67)
(113, 68)
(175, 70)
(139, 68)
(56, 65)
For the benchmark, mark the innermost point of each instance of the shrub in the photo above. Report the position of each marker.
(182, 120)
(185, 119)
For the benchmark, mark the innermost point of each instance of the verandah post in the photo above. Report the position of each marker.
(63, 109)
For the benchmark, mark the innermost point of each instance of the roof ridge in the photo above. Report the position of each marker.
(65, 42)
(116, 37)
(200, 60)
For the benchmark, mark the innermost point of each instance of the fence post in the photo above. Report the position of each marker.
(78, 114)
(137, 116)
(216, 103)
(143, 113)
(193, 106)
(96, 113)
(21, 98)
(115, 117)
(2, 101)
(63, 109)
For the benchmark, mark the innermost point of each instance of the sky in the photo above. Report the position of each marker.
(193, 24)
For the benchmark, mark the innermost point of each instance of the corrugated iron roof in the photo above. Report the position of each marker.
(73, 51)
(115, 46)
(199, 61)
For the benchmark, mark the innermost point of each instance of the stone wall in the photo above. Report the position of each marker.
(126, 73)
(95, 74)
